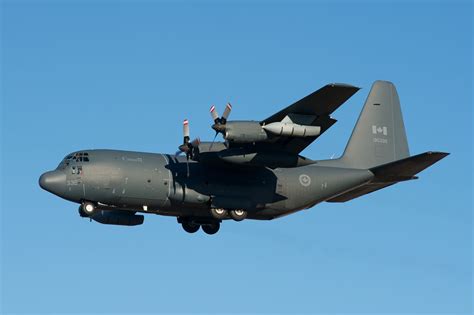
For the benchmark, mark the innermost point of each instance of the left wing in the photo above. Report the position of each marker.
(277, 140)
(313, 110)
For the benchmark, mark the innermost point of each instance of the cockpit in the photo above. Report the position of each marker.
(74, 159)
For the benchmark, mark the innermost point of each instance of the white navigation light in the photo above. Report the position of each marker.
(292, 130)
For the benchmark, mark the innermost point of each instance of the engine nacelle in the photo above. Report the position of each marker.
(244, 132)
(117, 217)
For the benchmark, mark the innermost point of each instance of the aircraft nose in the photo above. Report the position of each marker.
(54, 182)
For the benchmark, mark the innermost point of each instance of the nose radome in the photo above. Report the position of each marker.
(54, 182)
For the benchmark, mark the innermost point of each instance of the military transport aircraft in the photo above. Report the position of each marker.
(256, 173)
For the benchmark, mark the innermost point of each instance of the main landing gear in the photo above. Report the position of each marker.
(192, 226)
(211, 225)
(211, 228)
(87, 209)
(220, 214)
(238, 215)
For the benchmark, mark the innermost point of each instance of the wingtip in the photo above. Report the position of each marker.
(437, 155)
(443, 154)
(344, 85)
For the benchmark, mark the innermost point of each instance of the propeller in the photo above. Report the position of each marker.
(190, 148)
(213, 140)
(219, 122)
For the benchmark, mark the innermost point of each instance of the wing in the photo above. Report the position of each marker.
(315, 110)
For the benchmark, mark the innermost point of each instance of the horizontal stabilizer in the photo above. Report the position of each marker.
(392, 173)
(406, 168)
(360, 191)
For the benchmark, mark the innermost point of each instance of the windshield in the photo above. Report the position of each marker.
(74, 158)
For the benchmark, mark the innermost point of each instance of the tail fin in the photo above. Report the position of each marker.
(379, 136)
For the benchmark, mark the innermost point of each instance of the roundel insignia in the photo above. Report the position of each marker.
(305, 180)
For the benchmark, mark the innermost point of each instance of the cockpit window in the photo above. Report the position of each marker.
(78, 157)
(73, 158)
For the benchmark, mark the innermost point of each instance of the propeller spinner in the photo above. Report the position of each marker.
(219, 122)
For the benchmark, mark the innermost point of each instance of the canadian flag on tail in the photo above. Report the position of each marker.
(379, 129)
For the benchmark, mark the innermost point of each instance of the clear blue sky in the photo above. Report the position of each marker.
(123, 75)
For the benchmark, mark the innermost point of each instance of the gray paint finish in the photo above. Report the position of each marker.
(379, 135)
(261, 178)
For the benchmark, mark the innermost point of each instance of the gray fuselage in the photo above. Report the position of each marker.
(164, 184)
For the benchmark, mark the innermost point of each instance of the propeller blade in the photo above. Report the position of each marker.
(226, 114)
(213, 140)
(214, 114)
(186, 130)
(187, 165)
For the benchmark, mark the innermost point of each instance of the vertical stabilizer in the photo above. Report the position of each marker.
(379, 136)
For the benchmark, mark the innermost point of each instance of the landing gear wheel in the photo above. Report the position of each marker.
(219, 213)
(238, 215)
(190, 227)
(82, 214)
(211, 228)
(88, 208)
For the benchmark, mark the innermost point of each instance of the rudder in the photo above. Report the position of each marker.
(379, 136)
